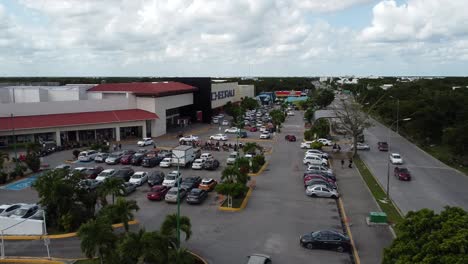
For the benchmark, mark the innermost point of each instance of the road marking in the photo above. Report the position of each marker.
(357, 260)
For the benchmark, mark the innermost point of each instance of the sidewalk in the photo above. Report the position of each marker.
(358, 202)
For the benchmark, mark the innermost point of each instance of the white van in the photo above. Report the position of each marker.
(314, 160)
(88, 155)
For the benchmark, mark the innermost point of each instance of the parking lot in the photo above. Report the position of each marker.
(278, 212)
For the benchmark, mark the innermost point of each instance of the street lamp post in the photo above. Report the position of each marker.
(178, 199)
(388, 160)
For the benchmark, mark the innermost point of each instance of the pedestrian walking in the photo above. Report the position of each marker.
(114, 147)
(350, 163)
(120, 146)
(339, 148)
(342, 163)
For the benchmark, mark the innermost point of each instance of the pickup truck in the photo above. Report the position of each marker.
(382, 146)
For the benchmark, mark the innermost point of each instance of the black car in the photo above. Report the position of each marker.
(151, 161)
(155, 178)
(326, 239)
(137, 158)
(243, 134)
(124, 173)
(211, 164)
(196, 196)
(190, 182)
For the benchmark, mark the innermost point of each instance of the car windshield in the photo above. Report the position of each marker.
(22, 211)
(404, 170)
(396, 156)
(167, 160)
(113, 155)
(105, 173)
(172, 192)
(233, 156)
(197, 161)
(170, 177)
(206, 181)
(137, 176)
(195, 192)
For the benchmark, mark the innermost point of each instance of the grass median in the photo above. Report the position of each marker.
(393, 215)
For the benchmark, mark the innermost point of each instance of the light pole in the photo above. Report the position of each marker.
(397, 113)
(388, 160)
(178, 199)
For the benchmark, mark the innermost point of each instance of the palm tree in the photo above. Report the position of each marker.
(3, 156)
(123, 210)
(243, 164)
(98, 237)
(169, 228)
(130, 247)
(112, 186)
(251, 147)
(155, 247)
(32, 147)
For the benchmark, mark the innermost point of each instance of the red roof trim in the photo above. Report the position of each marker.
(74, 119)
(157, 89)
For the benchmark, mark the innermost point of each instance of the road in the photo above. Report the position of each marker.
(434, 184)
(278, 212)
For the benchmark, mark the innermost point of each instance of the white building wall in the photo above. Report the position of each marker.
(44, 108)
(94, 96)
(246, 90)
(164, 103)
(5, 96)
(113, 95)
(57, 95)
(149, 104)
(221, 93)
(26, 95)
(28, 227)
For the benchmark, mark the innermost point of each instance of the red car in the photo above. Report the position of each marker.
(309, 177)
(253, 129)
(157, 192)
(382, 146)
(126, 159)
(402, 174)
(290, 138)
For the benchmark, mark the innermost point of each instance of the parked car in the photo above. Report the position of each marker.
(157, 193)
(290, 138)
(89, 184)
(382, 146)
(114, 158)
(326, 239)
(321, 191)
(402, 174)
(314, 160)
(395, 158)
(320, 168)
(231, 159)
(310, 177)
(124, 173)
(137, 158)
(290, 113)
(145, 142)
(221, 137)
(87, 155)
(63, 167)
(306, 145)
(360, 146)
(258, 259)
(188, 138)
(25, 211)
(324, 141)
(196, 196)
(7, 209)
(242, 134)
(232, 130)
(101, 157)
(165, 163)
(128, 188)
(151, 161)
(155, 178)
(172, 179)
(163, 153)
(92, 173)
(325, 174)
(265, 135)
(126, 159)
(206, 156)
(171, 195)
(208, 184)
(190, 182)
(198, 164)
(211, 164)
(317, 153)
(317, 181)
(253, 129)
(105, 174)
(138, 178)
(78, 171)
(225, 123)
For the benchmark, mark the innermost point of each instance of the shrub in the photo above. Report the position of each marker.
(260, 159)
(99, 147)
(309, 135)
(33, 162)
(317, 145)
(255, 166)
(76, 153)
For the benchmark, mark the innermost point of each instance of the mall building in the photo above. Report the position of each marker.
(110, 111)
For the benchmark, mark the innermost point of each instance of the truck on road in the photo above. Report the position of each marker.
(183, 155)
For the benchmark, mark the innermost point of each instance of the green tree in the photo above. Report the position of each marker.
(249, 103)
(98, 239)
(243, 164)
(321, 128)
(33, 162)
(111, 186)
(169, 228)
(426, 237)
(309, 115)
(277, 117)
(131, 247)
(325, 98)
(124, 210)
(3, 156)
(251, 147)
(33, 147)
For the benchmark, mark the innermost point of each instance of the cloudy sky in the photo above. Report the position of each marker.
(233, 37)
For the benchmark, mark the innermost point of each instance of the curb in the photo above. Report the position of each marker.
(31, 260)
(198, 256)
(60, 236)
(259, 171)
(357, 260)
(243, 205)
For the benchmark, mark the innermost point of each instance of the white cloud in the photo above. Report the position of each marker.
(328, 5)
(417, 20)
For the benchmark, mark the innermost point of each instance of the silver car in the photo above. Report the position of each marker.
(171, 195)
(321, 191)
(25, 211)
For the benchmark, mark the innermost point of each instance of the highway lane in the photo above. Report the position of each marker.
(434, 184)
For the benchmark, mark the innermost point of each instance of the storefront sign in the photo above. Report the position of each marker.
(222, 94)
(287, 93)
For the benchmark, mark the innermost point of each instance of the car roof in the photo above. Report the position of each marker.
(258, 258)
(139, 172)
(393, 154)
(108, 170)
(317, 185)
(207, 180)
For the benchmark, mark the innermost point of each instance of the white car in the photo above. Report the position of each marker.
(188, 138)
(105, 174)
(316, 152)
(215, 120)
(265, 135)
(290, 113)
(138, 178)
(233, 130)
(360, 146)
(145, 142)
(87, 155)
(263, 129)
(198, 164)
(220, 116)
(165, 163)
(321, 191)
(232, 158)
(319, 168)
(222, 137)
(314, 160)
(206, 156)
(306, 144)
(225, 123)
(171, 179)
(324, 141)
(395, 158)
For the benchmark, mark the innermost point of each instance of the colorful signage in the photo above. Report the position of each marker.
(287, 93)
